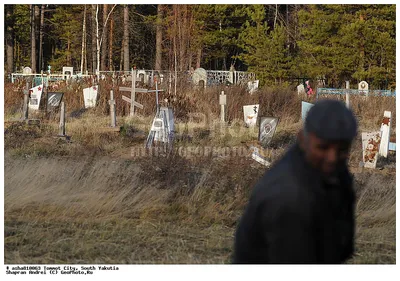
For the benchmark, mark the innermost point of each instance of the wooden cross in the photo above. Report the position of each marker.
(134, 90)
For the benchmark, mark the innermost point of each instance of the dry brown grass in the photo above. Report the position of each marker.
(89, 201)
(104, 210)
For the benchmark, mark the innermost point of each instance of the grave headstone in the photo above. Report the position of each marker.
(257, 155)
(305, 107)
(363, 87)
(199, 77)
(252, 86)
(90, 96)
(267, 129)
(27, 70)
(53, 100)
(300, 89)
(35, 96)
(370, 144)
(67, 72)
(250, 113)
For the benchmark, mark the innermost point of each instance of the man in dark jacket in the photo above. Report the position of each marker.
(302, 209)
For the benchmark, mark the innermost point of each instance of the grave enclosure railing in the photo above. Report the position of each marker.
(332, 91)
(214, 77)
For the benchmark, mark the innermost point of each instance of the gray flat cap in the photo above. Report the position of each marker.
(331, 120)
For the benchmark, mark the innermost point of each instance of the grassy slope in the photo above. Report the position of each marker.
(90, 201)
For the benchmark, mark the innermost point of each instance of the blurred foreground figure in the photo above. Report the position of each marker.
(302, 209)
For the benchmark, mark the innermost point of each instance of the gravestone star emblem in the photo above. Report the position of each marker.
(94, 88)
(39, 88)
(386, 121)
(255, 109)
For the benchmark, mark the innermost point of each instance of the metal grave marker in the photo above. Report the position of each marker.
(54, 100)
(305, 107)
(267, 129)
(162, 128)
(256, 155)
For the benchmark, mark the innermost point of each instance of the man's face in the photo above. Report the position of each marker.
(326, 156)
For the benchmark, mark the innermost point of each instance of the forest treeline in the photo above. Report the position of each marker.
(280, 43)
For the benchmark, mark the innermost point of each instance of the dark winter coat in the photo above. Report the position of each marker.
(295, 217)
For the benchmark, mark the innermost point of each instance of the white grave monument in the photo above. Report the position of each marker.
(67, 72)
(199, 77)
(252, 86)
(90, 96)
(27, 70)
(250, 114)
(363, 87)
(35, 96)
(300, 89)
(370, 144)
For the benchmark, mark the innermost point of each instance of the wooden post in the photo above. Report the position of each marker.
(26, 102)
(133, 93)
(61, 131)
(347, 94)
(112, 109)
(222, 102)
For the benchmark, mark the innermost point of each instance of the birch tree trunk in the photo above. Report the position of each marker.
(97, 41)
(110, 54)
(104, 37)
(83, 54)
(93, 33)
